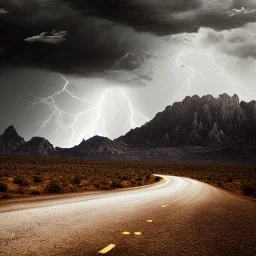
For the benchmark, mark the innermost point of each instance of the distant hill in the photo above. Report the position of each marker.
(95, 147)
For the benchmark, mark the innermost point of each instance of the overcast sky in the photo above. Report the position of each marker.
(71, 69)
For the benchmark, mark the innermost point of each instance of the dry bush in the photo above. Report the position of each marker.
(248, 188)
(3, 187)
(54, 187)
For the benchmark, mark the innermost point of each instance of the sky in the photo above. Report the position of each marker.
(72, 69)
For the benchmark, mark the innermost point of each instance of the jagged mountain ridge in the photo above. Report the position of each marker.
(36, 146)
(196, 129)
(95, 147)
(205, 121)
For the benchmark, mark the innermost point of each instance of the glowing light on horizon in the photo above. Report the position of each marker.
(97, 124)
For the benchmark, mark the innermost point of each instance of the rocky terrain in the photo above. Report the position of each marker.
(10, 140)
(95, 147)
(36, 146)
(198, 129)
(205, 121)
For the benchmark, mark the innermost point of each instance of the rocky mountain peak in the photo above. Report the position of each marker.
(10, 139)
(198, 121)
(9, 134)
(36, 146)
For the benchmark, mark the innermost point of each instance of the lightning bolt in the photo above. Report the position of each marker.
(117, 64)
(132, 112)
(192, 70)
(96, 127)
(56, 112)
(209, 54)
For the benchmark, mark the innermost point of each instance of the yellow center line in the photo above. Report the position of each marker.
(150, 221)
(107, 249)
(126, 233)
(137, 233)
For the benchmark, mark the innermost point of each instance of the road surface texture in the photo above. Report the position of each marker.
(178, 216)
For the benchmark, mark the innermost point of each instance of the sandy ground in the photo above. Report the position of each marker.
(188, 218)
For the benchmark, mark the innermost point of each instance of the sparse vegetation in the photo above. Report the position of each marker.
(3, 187)
(22, 175)
(248, 188)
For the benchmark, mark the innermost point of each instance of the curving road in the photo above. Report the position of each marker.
(178, 216)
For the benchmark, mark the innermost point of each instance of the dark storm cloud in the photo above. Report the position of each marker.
(90, 44)
(169, 17)
(101, 32)
(239, 42)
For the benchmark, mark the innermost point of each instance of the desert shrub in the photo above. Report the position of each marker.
(37, 179)
(157, 179)
(77, 180)
(133, 181)
(73, 188)
(23, 181)
(3, 187)
(139, 179)
(248, 188)
(21, 190)
(54, 187)
(65, 182)
(96, 185)
(116, 184)
(35, 192)
(18, 180)
(230, 179)
(220, 184)
(148, 176)
(125, 183)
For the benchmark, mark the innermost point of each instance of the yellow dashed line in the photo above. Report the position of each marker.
(163, 206)
(107, 249)
(126, 233)
(137, 233)
(149, 221)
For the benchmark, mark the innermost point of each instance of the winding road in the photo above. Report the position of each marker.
(177, 216)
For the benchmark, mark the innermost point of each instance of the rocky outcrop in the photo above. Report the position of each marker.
(36, 146)
(95, 147)
(10, 140)
(203, 121)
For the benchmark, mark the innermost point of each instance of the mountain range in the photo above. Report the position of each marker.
(197, 129)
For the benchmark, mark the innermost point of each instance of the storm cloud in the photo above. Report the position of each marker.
(239, 42)
(169, 17)
(84, 36)
(85, 45)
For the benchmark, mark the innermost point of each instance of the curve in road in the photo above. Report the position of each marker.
(178, 216)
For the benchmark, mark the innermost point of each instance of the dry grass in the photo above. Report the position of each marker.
(20, 175)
